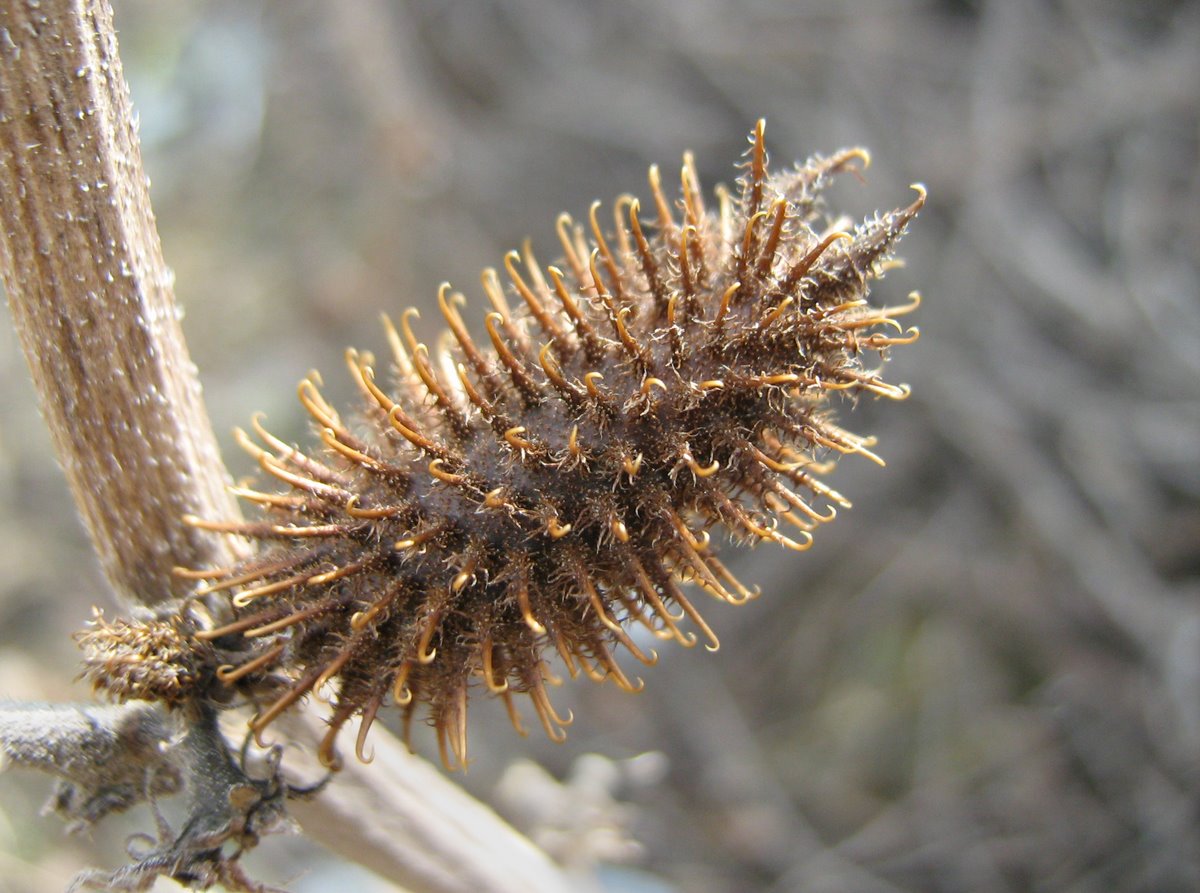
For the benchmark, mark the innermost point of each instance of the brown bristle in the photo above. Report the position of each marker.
(543, 489)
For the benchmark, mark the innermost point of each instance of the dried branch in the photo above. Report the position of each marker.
(107, 757)
(399, 817)
(92, 301)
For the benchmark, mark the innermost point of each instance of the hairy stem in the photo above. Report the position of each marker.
(106, 758)
(93, 304)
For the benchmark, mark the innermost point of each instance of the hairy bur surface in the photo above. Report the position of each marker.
(547, 488)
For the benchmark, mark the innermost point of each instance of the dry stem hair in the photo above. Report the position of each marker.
(555, 486)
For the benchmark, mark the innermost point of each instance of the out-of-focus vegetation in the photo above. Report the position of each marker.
(986, 676)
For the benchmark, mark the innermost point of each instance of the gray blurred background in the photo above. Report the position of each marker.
(986, 676)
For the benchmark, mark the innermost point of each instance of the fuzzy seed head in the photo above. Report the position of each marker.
(142, 659)
(543, 489)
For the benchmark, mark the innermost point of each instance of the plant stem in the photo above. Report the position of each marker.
(93, 304)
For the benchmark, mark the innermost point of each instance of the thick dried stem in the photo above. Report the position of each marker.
(401, 819)
(93, 304)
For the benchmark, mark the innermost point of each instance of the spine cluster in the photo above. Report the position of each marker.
(551, 485)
